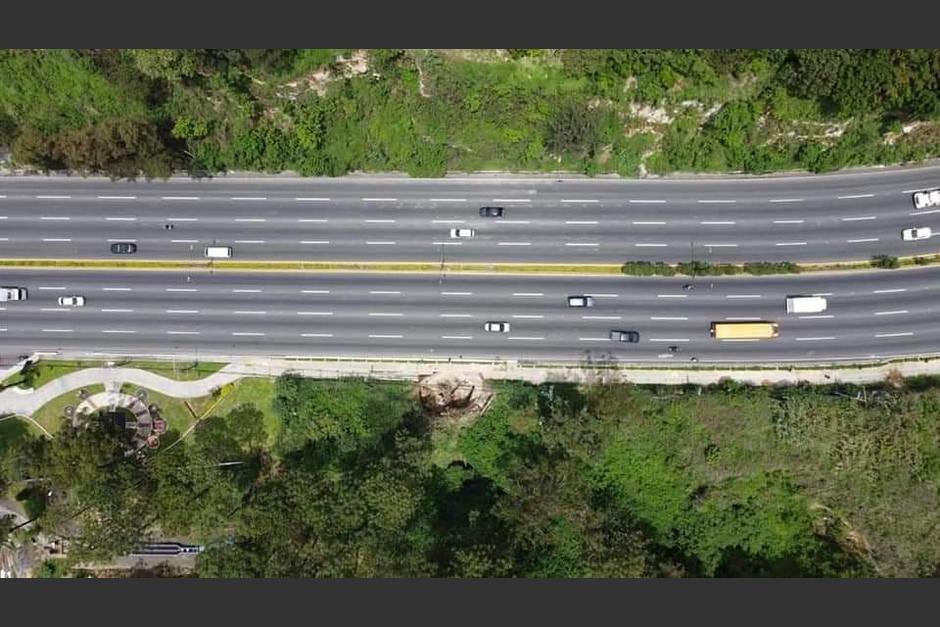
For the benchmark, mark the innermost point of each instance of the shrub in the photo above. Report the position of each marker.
(887, 262)
(647, 268)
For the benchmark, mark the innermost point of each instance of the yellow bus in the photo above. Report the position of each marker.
(758, 330)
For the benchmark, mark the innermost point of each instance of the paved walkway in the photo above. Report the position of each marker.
(26, 402)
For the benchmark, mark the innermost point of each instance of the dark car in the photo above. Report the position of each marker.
(123, 248)
(491, 212)
(631, 337)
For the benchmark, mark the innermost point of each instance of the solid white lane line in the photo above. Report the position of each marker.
(596, 295)
(54, 309)
(672, 296)
(246, 333)
(249, 241)
(246, 291)
(740, 318)
(383, 292)
(580, 221)
(448, 200)
(646, 202)
(822, 294)
(581, 200)
(52, 197)
(669, 317)
(56, 330)
(380, 221)
(316, 335)
(56, 239)
(921, 213)
(184, 241)
(593, 339)
(117, 311)
(861, 241)
(720, 245)
(317, 220)
(858, 218)
(387, 315)
(717, 222)
(601, 317)
(122, 240)
(120, 219)
(738, 339)
(380, 243)
(182, 219)
(380, 199)
(181, 289)
(125, 331)
(788, 221)
(312, 199)
(581, 244)
(815, 339)
(386, 337)
(251, 219)
(786, 200)
(743, 296)
(179, 197)
(514, 244)
(790, 244)
(525, 337)
(248, 198)
(117, 289)
(55, 218)
(517, 293)
(250, 312)
(669, 339)
(182, 332)
(182, 311)
(855, 196)
(891, 291)
(52, 288)
(447, 221)
(314, 241)
(446, 243)
(528, 316)
(817, 317)
(512, 200)
(647, 222)
(314, 291)
(456, 315)
(902, 334)
(717, 202)
(314, 313)
(456, 293)
(514, 221)
(891, 313)
(651, 245)
(456, 337)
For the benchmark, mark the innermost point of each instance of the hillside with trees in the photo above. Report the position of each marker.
(428, 112)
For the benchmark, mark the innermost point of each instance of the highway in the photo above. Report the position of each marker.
(873, 314)
(796, 218)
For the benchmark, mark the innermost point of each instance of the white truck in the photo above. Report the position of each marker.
(12, 293)
(805, 304)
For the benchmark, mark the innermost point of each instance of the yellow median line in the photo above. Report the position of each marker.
(402, 266)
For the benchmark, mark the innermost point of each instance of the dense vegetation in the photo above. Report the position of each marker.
(328, 112)
(551, 481)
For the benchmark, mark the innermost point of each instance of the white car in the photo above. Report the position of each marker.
(920, 232)
(929, 198)
(580, 301)
(462, 233)
(496, 327)
(72, 301)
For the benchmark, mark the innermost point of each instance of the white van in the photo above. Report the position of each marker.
(218, 252)
(806, 304)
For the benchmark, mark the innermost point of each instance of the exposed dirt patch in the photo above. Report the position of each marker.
(454, 396)
(343, 67)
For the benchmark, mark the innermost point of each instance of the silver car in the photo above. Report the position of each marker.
(496, 327)
(72, 301)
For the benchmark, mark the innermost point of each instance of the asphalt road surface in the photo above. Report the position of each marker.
(800, 218)
(870, 315)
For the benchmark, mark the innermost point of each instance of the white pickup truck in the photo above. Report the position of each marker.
(12, 293)
(805, 304)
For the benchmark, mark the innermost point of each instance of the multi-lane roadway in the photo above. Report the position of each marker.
(823, 218)
(870, 315)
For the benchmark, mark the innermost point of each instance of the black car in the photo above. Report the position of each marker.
(123, 248)
(491, 212)
(631, 337)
